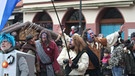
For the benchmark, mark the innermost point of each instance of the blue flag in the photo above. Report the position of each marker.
(6, 8)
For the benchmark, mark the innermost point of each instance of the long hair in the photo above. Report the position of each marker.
(78, 43)
(49, 38)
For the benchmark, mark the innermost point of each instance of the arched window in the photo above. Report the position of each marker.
(44, 20)
(72, 19)
(111, 21)
(111, 15)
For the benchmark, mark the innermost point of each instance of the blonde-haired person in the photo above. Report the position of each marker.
(79, 60)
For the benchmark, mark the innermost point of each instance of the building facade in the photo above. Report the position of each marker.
(102, 16)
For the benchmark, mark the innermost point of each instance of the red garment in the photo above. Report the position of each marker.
(73, 31)
(106, 59)
(52, 52)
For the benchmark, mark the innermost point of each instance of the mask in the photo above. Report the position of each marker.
(43, 35)
(89, 38)
(70, 40)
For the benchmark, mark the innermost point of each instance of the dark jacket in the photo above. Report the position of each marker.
(130, 63)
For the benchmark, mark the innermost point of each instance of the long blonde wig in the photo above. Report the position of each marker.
(78, 43)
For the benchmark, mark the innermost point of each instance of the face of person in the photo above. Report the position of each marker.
(90, 32)
(106, 54)
(32, 41)
(71, 41)
(5, 45)
(71, 44)
(90, 36)
(44, 37)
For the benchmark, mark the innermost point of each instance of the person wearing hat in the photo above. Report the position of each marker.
(12, 64)
(29, 47)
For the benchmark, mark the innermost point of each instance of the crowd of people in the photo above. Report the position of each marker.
(80, 55)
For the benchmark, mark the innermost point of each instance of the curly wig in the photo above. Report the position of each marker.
(49, 38)
(8, 37)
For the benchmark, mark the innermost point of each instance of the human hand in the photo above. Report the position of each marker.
(38, 68)
(65, 61)
(57, 71)
(74, 66)
(64, 29)
(70, 62)
(122, 28)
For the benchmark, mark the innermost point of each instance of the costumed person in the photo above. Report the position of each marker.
(29, 47)
(14, 62)
(116, 61)
(47, 53)
(95, 44)
(78, 62)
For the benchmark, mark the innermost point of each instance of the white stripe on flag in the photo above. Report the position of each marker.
(2, 8)
(6, 8)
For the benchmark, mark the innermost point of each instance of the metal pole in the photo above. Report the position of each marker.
(80, 17)
(61, 28)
